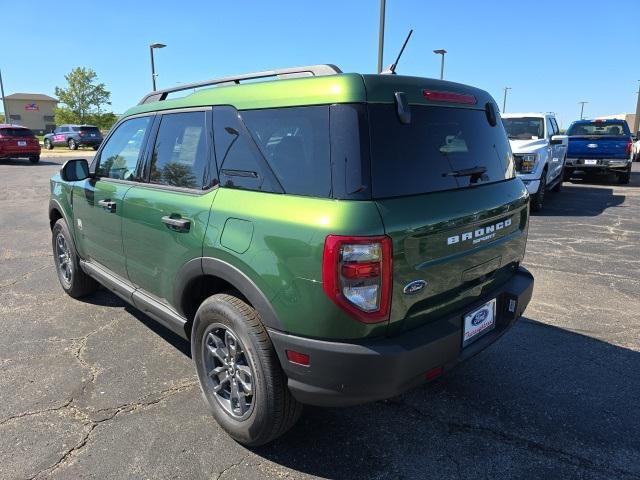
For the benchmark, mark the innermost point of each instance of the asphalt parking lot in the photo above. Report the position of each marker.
(94, 389)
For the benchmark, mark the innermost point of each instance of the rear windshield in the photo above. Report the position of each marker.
(525, 128)
(90, 129)
(436, 151)
(597, 128)
(16, 132)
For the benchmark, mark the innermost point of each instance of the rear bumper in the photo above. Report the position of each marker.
(574, 165)
(20, 153)
(342, 374)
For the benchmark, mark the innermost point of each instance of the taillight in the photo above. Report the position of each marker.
(452, 97)
(356, 275)
(629, 148)
(81, 133)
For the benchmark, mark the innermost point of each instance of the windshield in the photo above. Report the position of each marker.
(440, 149)
(597, 128)
(524, 128)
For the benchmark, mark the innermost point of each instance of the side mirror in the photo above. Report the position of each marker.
(559, 140)
(75, 170)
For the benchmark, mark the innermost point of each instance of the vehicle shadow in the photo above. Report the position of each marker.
(580, 201)
(543, 394)
(20, 161)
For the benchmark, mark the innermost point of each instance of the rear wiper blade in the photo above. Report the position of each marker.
(466, 172)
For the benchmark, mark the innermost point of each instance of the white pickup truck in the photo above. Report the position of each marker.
(539, 152)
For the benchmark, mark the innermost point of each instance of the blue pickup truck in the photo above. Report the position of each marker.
(599, 147)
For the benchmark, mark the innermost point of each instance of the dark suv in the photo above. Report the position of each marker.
(74, 136)
(321, 238)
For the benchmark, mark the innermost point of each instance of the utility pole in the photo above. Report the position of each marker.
(582, 109)
(504, 101)
(7, 117)
(441, 51)
(381, 35)
(636, 123)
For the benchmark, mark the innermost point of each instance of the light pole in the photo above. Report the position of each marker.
(153, 66)
(442, 51)
(582, 109)
(636, 123)
(7, 117)
(381, 35)
(504, 100)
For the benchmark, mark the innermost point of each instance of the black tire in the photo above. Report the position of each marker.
(273, 410)
(47, 144)
(623, 178)
(95, 147)
(72, 144)
(537, 200)
(34, 159)
(77, 284)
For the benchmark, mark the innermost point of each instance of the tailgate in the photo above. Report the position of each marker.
(598, 147)
(461, 242)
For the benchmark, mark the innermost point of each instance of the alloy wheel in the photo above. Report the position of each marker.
(63, 259)
(229, 373)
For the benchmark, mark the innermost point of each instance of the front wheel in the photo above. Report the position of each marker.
(537, 199)
(72, 278)
(72, 144)
(239, 372)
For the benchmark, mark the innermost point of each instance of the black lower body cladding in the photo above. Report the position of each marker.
(342, 374)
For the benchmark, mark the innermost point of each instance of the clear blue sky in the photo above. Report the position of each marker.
(552, 53)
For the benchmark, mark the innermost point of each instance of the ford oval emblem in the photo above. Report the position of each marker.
(479, 317)
(592, 145)
(414, 287)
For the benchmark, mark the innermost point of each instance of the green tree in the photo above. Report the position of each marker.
(83, 98)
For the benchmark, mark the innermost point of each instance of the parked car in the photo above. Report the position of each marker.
(600, 147)
(74, 136)
(636, 149)
(539, 152)
(18, 142)
(320, 238)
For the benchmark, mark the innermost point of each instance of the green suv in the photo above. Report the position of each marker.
(321, 238)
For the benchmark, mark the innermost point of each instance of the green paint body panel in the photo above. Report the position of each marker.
(277, 240)
(155, 253)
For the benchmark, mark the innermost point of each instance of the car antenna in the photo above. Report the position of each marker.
(392, 68)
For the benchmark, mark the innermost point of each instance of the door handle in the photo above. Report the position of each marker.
(176, 224)
(108, 205)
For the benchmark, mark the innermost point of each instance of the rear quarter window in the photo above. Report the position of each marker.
(431, 152)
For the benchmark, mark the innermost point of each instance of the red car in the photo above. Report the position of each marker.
(18, 142)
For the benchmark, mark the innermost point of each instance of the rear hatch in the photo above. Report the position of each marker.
(17, 139)
(90, 133)
(463, 234)
(598, 140)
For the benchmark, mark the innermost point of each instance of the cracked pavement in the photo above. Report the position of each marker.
(94, 389)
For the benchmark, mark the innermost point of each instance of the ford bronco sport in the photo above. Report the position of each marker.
(321, 238)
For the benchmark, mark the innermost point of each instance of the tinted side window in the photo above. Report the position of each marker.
(240, 163)
(556, 130)
(181, 154)
(119, 156)
(295, 143)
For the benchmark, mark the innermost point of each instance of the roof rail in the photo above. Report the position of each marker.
(307, 71)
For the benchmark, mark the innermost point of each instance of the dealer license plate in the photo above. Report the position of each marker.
(479, 322)
(22, 144)
(591, 162)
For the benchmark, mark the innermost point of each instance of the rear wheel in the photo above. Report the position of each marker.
(95, 147)
(34, 159)
(537, 199)
(623, 178)
(72, 278)
(239, 372)
(47, 144)
(72, 144)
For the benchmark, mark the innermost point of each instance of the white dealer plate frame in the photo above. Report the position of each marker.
(484, 318)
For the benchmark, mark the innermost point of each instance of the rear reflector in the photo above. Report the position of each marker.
(297, 357)
(434, 373)
(450, 97)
